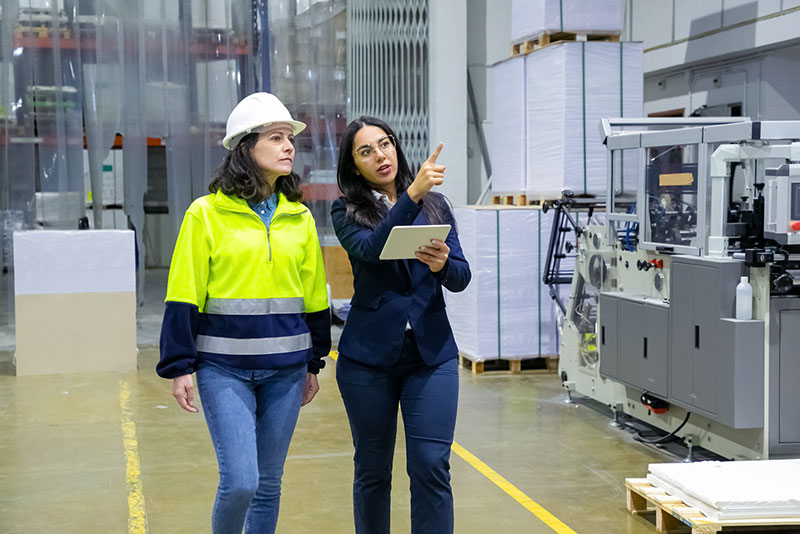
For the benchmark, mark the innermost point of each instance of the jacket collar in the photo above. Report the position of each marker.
(238, 204)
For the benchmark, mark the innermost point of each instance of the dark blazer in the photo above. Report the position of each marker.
(388, 294)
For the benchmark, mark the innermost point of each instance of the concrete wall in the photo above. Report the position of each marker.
(489, 41)
(447, 46)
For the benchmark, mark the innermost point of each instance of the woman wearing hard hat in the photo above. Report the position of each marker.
(247, 310)
(397, 347)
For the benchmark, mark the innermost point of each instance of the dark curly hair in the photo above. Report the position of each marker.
(362, 206)
(240, 176)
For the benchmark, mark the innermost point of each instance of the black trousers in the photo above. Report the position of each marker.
(428, 398)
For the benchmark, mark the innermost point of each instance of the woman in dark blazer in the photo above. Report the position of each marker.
(397, 347)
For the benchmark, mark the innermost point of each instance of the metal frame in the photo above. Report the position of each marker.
(683, 131)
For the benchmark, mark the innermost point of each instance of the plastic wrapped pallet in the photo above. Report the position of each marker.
(507, 112)
(570, 87)
(506, 311)
(531, 18)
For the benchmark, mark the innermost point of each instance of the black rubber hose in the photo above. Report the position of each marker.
(663, 439)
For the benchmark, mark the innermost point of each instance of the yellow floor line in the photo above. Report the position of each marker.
(549, 519)
(515, 493)
(137, 517)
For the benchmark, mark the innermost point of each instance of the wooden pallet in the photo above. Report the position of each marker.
(510, 200)
(529, 45)
(674, 516)
(512, 366)
(518, 199)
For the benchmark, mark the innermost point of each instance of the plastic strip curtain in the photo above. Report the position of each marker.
(307, 50)
(388, 68)
(41, 166)
(196, 59)
(162, 73)
(101, 36)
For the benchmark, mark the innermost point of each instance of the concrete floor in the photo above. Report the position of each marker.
(63, 457)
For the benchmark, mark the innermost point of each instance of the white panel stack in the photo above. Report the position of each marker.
(507, 110)
(570, 87)
(510, 315)
(531, 18)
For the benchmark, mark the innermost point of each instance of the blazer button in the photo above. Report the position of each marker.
(407, 293)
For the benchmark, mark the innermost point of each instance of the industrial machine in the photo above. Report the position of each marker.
(649, 327)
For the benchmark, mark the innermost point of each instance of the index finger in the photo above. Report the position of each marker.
(432, 158)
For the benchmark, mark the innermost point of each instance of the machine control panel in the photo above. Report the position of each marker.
(782, 204)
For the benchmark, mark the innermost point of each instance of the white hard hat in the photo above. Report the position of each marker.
(254, 114)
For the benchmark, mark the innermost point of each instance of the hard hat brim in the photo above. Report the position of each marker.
(232, 140)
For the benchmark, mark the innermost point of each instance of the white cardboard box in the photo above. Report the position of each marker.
(75, 301)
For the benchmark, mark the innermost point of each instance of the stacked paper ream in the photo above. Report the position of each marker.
(75, 301)
(570, 87)
(734, 490)
(545, 130)
(507, 110)
(520, 322)
(530, 18)
(546, 306)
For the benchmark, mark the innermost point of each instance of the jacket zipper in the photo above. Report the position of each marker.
(269, 246)
(275, 216)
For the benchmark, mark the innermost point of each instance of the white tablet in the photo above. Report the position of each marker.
(404, 241)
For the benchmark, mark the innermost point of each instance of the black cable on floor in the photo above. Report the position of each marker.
(663, 439)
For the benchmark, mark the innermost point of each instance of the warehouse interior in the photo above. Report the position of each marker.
(624, 176)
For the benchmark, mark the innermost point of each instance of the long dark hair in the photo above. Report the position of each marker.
(239, 175)
(362, 206)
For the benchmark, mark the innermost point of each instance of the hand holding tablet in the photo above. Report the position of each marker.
(404, 241)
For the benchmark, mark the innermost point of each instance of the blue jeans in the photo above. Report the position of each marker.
(251, 416)
(428, 397)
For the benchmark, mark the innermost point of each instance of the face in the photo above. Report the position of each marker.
(375, 156)
(274, 151)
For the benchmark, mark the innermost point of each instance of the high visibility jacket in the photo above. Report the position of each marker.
(243, 294)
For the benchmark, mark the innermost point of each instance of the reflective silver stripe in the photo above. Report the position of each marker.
(255, 306)
(264, 345)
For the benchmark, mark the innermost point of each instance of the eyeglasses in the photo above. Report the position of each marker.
(385, 144)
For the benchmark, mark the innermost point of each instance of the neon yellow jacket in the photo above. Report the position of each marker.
(243, 294)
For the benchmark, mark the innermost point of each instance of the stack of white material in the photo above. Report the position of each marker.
(75, 301)
(507, 110)
(505, 312)
(555, 145)
(570, 88)
(734, 490)
(531, 18)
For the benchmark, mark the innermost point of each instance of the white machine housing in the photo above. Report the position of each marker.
(657, 316)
